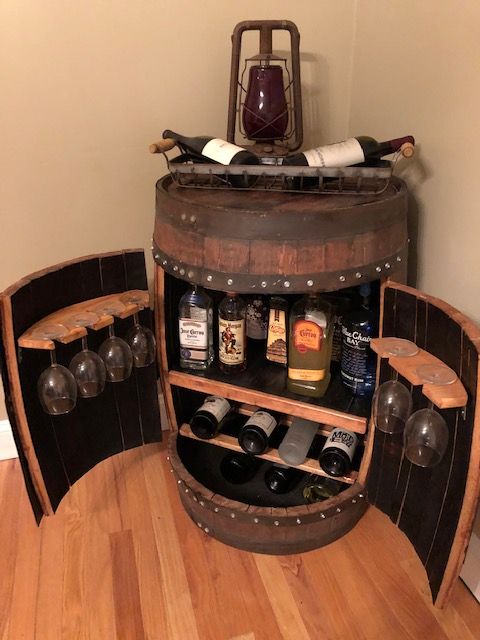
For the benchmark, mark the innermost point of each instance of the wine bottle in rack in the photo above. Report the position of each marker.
(337, 453)
(208, 420)
(255, 434)
(320, 489)
(280, 478)
(297, 441)
(215, 149)
(232, 339)
(238, 468)
(351, 151)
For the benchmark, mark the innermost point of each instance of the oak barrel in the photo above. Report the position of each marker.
(274, 242)
(264, 529)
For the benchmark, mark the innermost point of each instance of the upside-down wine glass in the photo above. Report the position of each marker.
(114, 351)
(140, 338)
(87, 366)
(392, 401)
(56, 386)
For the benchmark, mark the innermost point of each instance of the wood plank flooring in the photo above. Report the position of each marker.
(122, 560)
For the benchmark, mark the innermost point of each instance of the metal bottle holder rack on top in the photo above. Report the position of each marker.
(189, 171)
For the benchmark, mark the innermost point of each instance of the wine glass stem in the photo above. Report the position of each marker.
(84, 343)
(136, 320)
(53, 356)
(111, 333)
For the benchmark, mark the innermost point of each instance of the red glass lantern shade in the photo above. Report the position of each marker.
(265, 111)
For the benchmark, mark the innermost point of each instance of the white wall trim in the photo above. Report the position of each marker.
(7, 444)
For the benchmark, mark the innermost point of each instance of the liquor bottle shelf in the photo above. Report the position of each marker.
(229, 442)
(266, 387)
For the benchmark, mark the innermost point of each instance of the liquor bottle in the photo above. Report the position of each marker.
(232, 340)
(359, 362)
(280, 478)
(337, 453)
(297, 441)
(277, 331)
(310, 346)
(255, 433)
(238, 468)
(351, 151)
(322, 489)
(195, 327)
(257, 317)
(214, 149)
(210, 417)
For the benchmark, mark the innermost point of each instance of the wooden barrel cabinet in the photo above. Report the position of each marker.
(266, 243)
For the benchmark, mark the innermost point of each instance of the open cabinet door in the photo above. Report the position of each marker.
(55, 451)
(434, 507)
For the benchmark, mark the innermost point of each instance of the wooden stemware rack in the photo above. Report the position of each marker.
(29, 339)
(443, 396)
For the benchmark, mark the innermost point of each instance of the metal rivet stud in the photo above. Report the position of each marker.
(209, 278)
(299, 521)
(164, 262)
(399, 259)
(193, 219)
(256, 520)
(199, 524)
(175, 268)
(229, 281)
(286, 284)
(171, 470)
(207, 530)
(342, 278)
(322, 515)
(354, 501)
(195, 499)
(378, 269)
(179, 482)
(186, 490)
(232, 515)
(190, 274)
(182, 272)
(183, 216)
(338, 510)
(360, 495)
(202, 503)
(309, 283)
(168, 457)
(263, 284)
(216, 509)
(276, 523)
(358, 274)
(387, 265)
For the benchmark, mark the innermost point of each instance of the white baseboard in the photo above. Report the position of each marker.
(7, 444)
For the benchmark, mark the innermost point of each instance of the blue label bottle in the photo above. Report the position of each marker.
(359, 362)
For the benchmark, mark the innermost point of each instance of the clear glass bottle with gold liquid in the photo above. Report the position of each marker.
(310, 346)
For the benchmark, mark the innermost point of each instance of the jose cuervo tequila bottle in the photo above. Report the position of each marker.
(195, 327)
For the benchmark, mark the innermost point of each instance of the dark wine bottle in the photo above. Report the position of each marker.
(232, 337)
(209, 418)
(214, 149)
(351, 151)
(255, 433)
(281, 479)
(337, 453)
(238, 468)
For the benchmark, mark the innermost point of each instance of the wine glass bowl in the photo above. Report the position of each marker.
(56, 386)
(142, 345)
(391, 407)
(117, 357)
(425, 438)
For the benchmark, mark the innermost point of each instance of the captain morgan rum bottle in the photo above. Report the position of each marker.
(310, 346)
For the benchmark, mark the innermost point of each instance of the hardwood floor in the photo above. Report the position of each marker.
(122, 560)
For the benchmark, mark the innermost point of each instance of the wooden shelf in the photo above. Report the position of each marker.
(230, 442)
(28, 340)
(445, 396)
(264, 385)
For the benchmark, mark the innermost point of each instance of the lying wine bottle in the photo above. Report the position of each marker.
(322, 489)
(209, 418)
(238, 468)
(297, 442)
(214, 149)
(280, 478)
(337, 453)
(255, 433)
(351, 151)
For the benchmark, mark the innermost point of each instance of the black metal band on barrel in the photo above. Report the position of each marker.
(274, 283)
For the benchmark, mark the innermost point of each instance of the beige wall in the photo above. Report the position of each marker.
(86, 86)
(417, 70)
